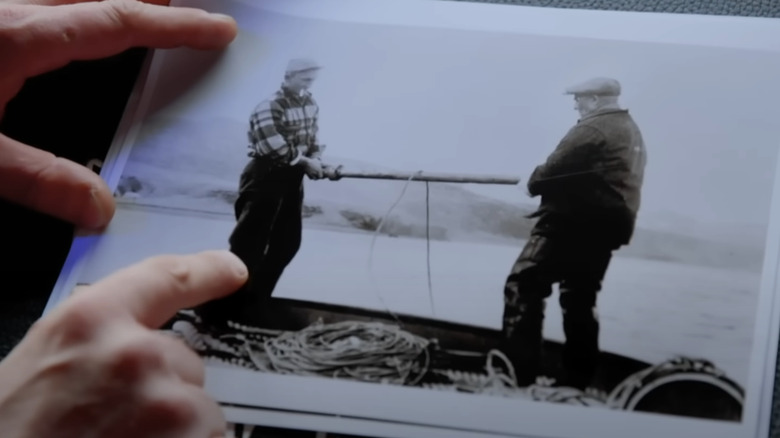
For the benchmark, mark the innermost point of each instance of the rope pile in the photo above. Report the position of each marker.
(369, 351)
(495, 382)
(364, 351)
(381, 353)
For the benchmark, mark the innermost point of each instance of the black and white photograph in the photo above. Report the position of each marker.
(541, 225)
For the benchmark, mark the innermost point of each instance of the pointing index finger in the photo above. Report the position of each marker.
(152, 291)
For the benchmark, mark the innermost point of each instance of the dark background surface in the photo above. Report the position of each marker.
(74, 113)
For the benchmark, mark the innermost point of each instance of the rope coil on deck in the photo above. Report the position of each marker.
(363, 351)
(495, 382)
(382, 353)
(369, 351)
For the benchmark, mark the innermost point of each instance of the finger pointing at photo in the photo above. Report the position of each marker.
(95, 366)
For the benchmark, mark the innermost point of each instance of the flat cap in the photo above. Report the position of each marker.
(596, 86)
(302, 64)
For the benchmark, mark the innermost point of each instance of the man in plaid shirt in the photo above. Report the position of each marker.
(283, 147)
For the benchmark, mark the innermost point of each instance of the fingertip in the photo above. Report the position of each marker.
(224, 18)
(236, 265)
(228, 29)
(101, 208)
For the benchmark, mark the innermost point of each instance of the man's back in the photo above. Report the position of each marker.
(622, 157)
(593, 180)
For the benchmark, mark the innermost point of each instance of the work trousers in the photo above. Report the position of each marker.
(266, 237)
(558, 251)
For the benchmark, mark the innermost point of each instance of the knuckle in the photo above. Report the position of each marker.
(35, 188)
(122, 13)
(76, 323)
(134, 359)
(174, 409)
(51, 169)
(12, 20)
(177, 271)
(17, 28)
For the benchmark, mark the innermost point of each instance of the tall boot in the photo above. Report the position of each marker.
(581, 328)
(522, 340)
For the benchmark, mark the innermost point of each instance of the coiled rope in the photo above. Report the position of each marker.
(378, 231)
(362, 351)
(381, 353)
(367, 351)
(495, 382)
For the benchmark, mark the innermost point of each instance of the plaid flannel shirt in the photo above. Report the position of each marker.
(284, 128)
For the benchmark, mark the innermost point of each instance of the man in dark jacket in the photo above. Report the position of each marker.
(590, 188)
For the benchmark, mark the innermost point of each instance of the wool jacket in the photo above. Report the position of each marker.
(595, 173)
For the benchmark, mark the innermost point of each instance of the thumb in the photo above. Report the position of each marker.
(153, 290)
(55, 186)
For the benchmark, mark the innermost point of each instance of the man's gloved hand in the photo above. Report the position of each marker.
(37, 36)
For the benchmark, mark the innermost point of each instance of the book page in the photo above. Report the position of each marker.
(464, 217)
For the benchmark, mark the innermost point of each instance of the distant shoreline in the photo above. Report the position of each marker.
(182, 162)
(625, 252)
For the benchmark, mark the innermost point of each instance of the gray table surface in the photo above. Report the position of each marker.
(750, 8)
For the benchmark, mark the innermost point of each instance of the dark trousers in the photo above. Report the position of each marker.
(563, 252)
(267, 236)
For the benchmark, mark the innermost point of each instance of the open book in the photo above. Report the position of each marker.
(397, 273)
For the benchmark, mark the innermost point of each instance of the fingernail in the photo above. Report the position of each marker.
(96, 216)
(238, 266)
(222, 17)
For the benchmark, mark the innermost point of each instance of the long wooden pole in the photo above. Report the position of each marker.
(432, 177)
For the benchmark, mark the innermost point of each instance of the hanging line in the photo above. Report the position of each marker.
(378, 230)
(428, 243)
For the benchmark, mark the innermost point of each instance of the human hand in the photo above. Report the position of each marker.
(313, 168)
(37, 36)
(333, 173)
(97, 367)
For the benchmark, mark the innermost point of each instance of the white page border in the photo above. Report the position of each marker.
(343, 425)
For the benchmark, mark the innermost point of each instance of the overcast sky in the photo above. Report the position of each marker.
(463, 101)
